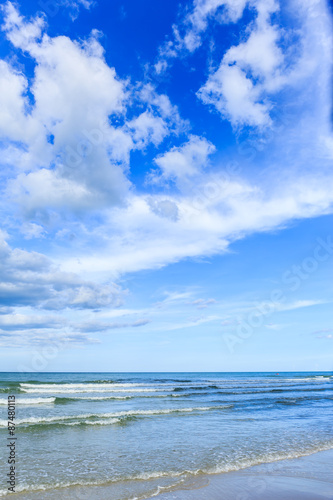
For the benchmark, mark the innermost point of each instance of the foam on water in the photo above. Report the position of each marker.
(108, 428)
(78, 386)
(69, 390)
(129, 413)
(28, 401)
(173, 474)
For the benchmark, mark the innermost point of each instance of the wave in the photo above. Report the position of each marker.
(195, 388)
(29, 401)
(106, 421)
(64, 400)
(78, 385)
(315, 378)
(288, 402)
(95, 417)
(73, 399)
(185, 474)
(182, 381)
(276, 391)
(59, 390)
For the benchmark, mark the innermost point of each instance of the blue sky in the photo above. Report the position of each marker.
(167, 185)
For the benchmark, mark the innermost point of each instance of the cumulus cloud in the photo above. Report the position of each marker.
(160, 119)
(31, 230)
(31, 279)
(183, 162)
(74, 91)
(251, 75)
(235, 96)
(21, 34)
(164, 208)
(247, 72)
(68, 134)
(17, 321)
(66, 153)
(187, 34)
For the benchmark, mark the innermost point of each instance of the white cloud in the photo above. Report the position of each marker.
(31, 230)
(203, 303)
(46, 344)
(235, 96)
(155, 123)
(31, 279)
(298, 304)
(98, 326)
(75, 91)
(192, 322)
(187, 34)
(164, 207)
(16, 124)
(64, 155)
(62, 149)
(260, 53)
(186, 161)
(147, 128)
(17, 321)
(250, 75)
(74, 6)
(233, 210)
(203, 10)
(248, 71)
(20, 33)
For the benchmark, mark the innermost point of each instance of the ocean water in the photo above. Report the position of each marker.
(142, 433)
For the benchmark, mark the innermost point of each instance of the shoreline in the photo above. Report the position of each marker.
(303, 478)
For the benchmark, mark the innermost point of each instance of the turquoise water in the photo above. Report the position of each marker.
(140, 433)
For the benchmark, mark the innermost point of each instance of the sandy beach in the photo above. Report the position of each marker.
(304, 478)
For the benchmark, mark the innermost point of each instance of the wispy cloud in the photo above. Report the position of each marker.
(98, 326)
(203, 303)
(324, 333)
(298, 304)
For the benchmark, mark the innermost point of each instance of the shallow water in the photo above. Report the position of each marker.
(141, 433)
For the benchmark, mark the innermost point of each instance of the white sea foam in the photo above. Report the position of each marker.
(146, 476)
(128, 413)
(101, 398)
(78, 386)
(28, 401)
(316, 378)
(60, 390)
(106, 421)
(111, 398)
(265, 459)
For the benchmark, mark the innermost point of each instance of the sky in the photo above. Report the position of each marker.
(166, 185)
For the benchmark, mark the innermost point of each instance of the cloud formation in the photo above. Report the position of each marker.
(105, 175)
(32, 279)
(68, 155)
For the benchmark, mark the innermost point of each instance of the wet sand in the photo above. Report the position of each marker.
(305, 478)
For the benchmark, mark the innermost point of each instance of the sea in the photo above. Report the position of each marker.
(139, 434)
